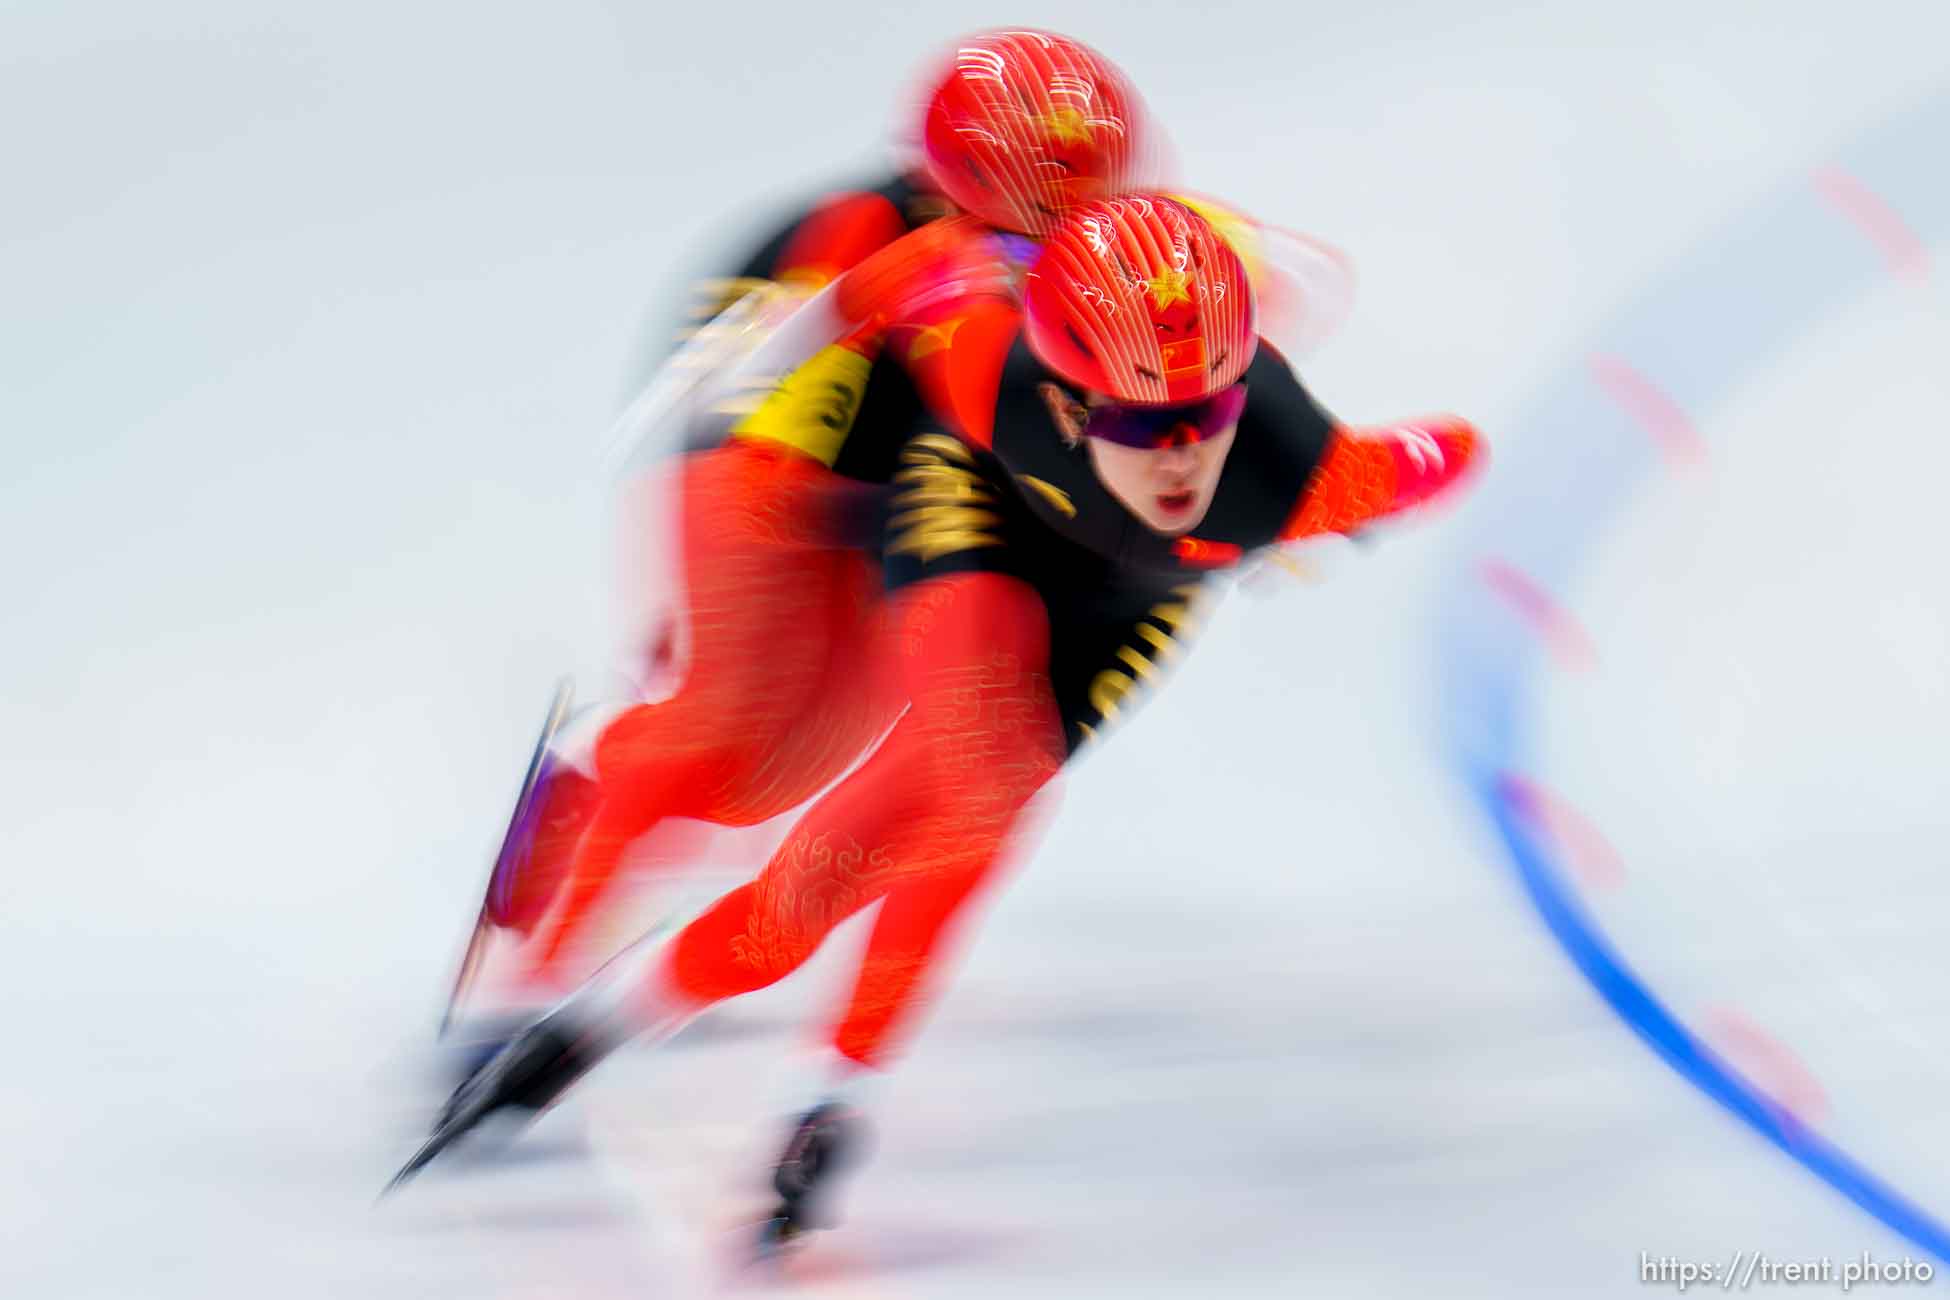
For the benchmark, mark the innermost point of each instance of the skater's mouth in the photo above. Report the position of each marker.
(1174, 504)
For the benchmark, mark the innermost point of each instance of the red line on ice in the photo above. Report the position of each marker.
(1869, 212)
(1776, 1068)
(1586, 850)
(1569, 642)
(1650, 405)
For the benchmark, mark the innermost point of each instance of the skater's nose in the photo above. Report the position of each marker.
(1177, 461)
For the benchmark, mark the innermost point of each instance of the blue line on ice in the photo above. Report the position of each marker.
(1713, 318)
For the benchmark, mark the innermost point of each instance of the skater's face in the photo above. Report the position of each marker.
(1162, 469)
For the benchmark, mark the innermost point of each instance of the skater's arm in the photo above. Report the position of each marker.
(1371, 474)
(804, 254)
(837, 236)
(909, 305)
(1360, 475)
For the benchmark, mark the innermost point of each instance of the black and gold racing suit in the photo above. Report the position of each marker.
(1123, 600)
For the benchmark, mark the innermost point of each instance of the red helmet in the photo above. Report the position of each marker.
(1139, 298)
(1024, 125)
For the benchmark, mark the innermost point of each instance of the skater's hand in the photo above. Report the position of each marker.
(1371, 474)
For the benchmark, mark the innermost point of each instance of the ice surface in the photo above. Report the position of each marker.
(312, 328)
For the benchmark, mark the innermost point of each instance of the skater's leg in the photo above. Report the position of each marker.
(569, 801)
(926, 815)
(1013, 738)
(765, 612)
(911, 935)
(856, 701)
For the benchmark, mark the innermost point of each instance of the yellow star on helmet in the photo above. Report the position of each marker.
(934, 338)
(1168, 287)
(1067, 125)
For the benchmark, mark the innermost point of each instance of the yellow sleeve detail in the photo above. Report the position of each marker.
(814, 406)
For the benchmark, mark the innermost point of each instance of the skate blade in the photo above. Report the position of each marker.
(777, 1238)
(421, 1159)
(442, 1138)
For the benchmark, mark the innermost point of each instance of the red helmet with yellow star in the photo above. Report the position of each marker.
(1022, 126)
(1138, 298)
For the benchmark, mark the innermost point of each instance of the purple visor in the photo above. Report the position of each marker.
(1151, 427)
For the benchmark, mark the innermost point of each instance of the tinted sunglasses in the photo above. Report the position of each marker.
(1152, 427)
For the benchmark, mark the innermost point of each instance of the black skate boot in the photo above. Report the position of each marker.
(471, 1044)
(829, 1139)
(527, 1075)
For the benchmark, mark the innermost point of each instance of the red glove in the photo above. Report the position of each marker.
(1370, 474)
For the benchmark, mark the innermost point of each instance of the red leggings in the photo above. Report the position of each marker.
(920, 826)
(780, 696)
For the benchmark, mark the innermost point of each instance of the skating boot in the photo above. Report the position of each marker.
(829, 1139)
(527, 1075)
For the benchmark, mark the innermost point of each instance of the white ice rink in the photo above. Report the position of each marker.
(311, 325)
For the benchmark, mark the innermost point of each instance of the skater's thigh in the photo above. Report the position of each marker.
(758, 606)
(856, 700)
